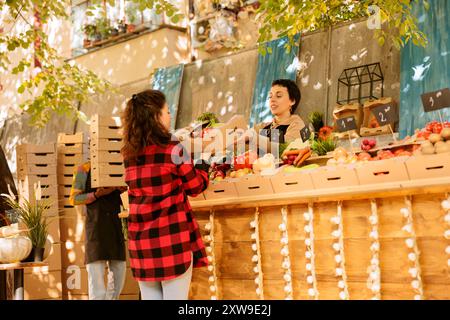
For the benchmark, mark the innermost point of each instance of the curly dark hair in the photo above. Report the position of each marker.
(141, 124)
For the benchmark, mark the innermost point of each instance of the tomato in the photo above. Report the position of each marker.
(245, 160)
(437, 128)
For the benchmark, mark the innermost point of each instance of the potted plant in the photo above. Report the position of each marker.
(89, 34)
(122, 27)
(103, 28)
(131, 17)
(32, 215)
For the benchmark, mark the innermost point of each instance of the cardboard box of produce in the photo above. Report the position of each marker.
(221, 190)
(36, 158)
(429, 166)
(42, 285)
(72, 148)
(66, 169)
(254, 185)
(35, 169)
(291, 182)
(103, 121)
(335, 177)
(105, 133)
(106, 156)
(111, 180)
(71, 158)
(44, 179)
(381, 171)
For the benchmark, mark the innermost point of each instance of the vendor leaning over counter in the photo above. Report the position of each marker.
(284, 98)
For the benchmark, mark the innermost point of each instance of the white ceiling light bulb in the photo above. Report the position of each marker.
(257, 280)
(256, 269)
(407, 228)
(338, 258)
(213, 298)
(211, 279)
(253, 236)
(212, 288)
(341, 284)
(308, 266)
(336, 233)
(307, 216)
(258, 291)
(208, 226)
(335, 220)
(311, 292)
(307, 229)
(339, 271)
(417, 297)
(282, 227)
(210, 268)
(284, 241)
(415, 284)
(253, 224)
(373, 220)
(413, 272)
(308, 241)
(254, 247)
(310, 279)
(209, 249)
(287, 277)
(336, 246)
(342, 295)
(308, 254)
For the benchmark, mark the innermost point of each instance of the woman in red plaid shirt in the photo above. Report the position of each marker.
(164, 240)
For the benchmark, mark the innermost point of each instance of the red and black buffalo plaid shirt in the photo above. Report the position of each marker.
(162, 231)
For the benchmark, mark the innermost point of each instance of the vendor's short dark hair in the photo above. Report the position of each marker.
(293, 90)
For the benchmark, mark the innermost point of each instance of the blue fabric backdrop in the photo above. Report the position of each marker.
(277, 65)
(169, 80)
(425, 69)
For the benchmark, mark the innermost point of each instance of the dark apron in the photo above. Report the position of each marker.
(104, 236)
(274, 136)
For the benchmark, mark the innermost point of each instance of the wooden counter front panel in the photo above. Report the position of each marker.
(234, 253)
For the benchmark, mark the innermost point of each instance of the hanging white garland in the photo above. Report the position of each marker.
(286, 265)
(446, 206)
(339, 257)
(254, 225)
(374, 279)
(414, 253)
(213, 287)
(310, 253)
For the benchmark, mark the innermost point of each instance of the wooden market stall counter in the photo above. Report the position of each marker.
(387, 241)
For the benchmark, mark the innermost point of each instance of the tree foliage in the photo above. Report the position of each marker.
(289, 17)
(58, 86)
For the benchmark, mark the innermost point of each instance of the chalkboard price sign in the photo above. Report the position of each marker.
(346, 124)
(436, 100)
(385, 114)
(305, 133)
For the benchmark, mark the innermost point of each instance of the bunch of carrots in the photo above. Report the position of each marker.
(296, 157)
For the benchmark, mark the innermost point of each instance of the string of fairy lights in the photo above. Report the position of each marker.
(338, 247)
(256, 248)
(446, 206)
(310, 256)
(286, 264)
(414, 253)
(209, 239)
(374, 279)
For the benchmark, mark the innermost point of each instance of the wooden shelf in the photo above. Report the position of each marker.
(426, 186)
(22, 265)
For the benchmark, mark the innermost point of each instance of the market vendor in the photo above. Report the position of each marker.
(284, 98)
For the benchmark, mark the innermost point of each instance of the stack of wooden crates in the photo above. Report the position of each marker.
(72, 152)
(36, 164)
(107, 170)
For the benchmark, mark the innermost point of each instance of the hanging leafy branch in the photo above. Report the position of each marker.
(281, 18)
(55, 86)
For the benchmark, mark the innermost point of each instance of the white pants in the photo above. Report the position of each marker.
(96, 279)
(173, 289)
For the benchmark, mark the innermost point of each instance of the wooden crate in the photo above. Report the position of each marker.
(429, 166)
(107, 168)
(64, 190)
(34, 148)
(71, 158)
(65, 179)
(35, 169)
(105, 133)
(291, 182)
(66, 169)
(72, 226)
(334, 177)
(103, 121)
(36, 158)
(44, 179)
(106, 144)
(98, 157)
(382, 171)
(221, 190)
(72, 253)
(42, 285)
(112, 180)
(77, 138)
(254, 185)
(72, 148)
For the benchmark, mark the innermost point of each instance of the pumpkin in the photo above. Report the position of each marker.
(14, 249)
